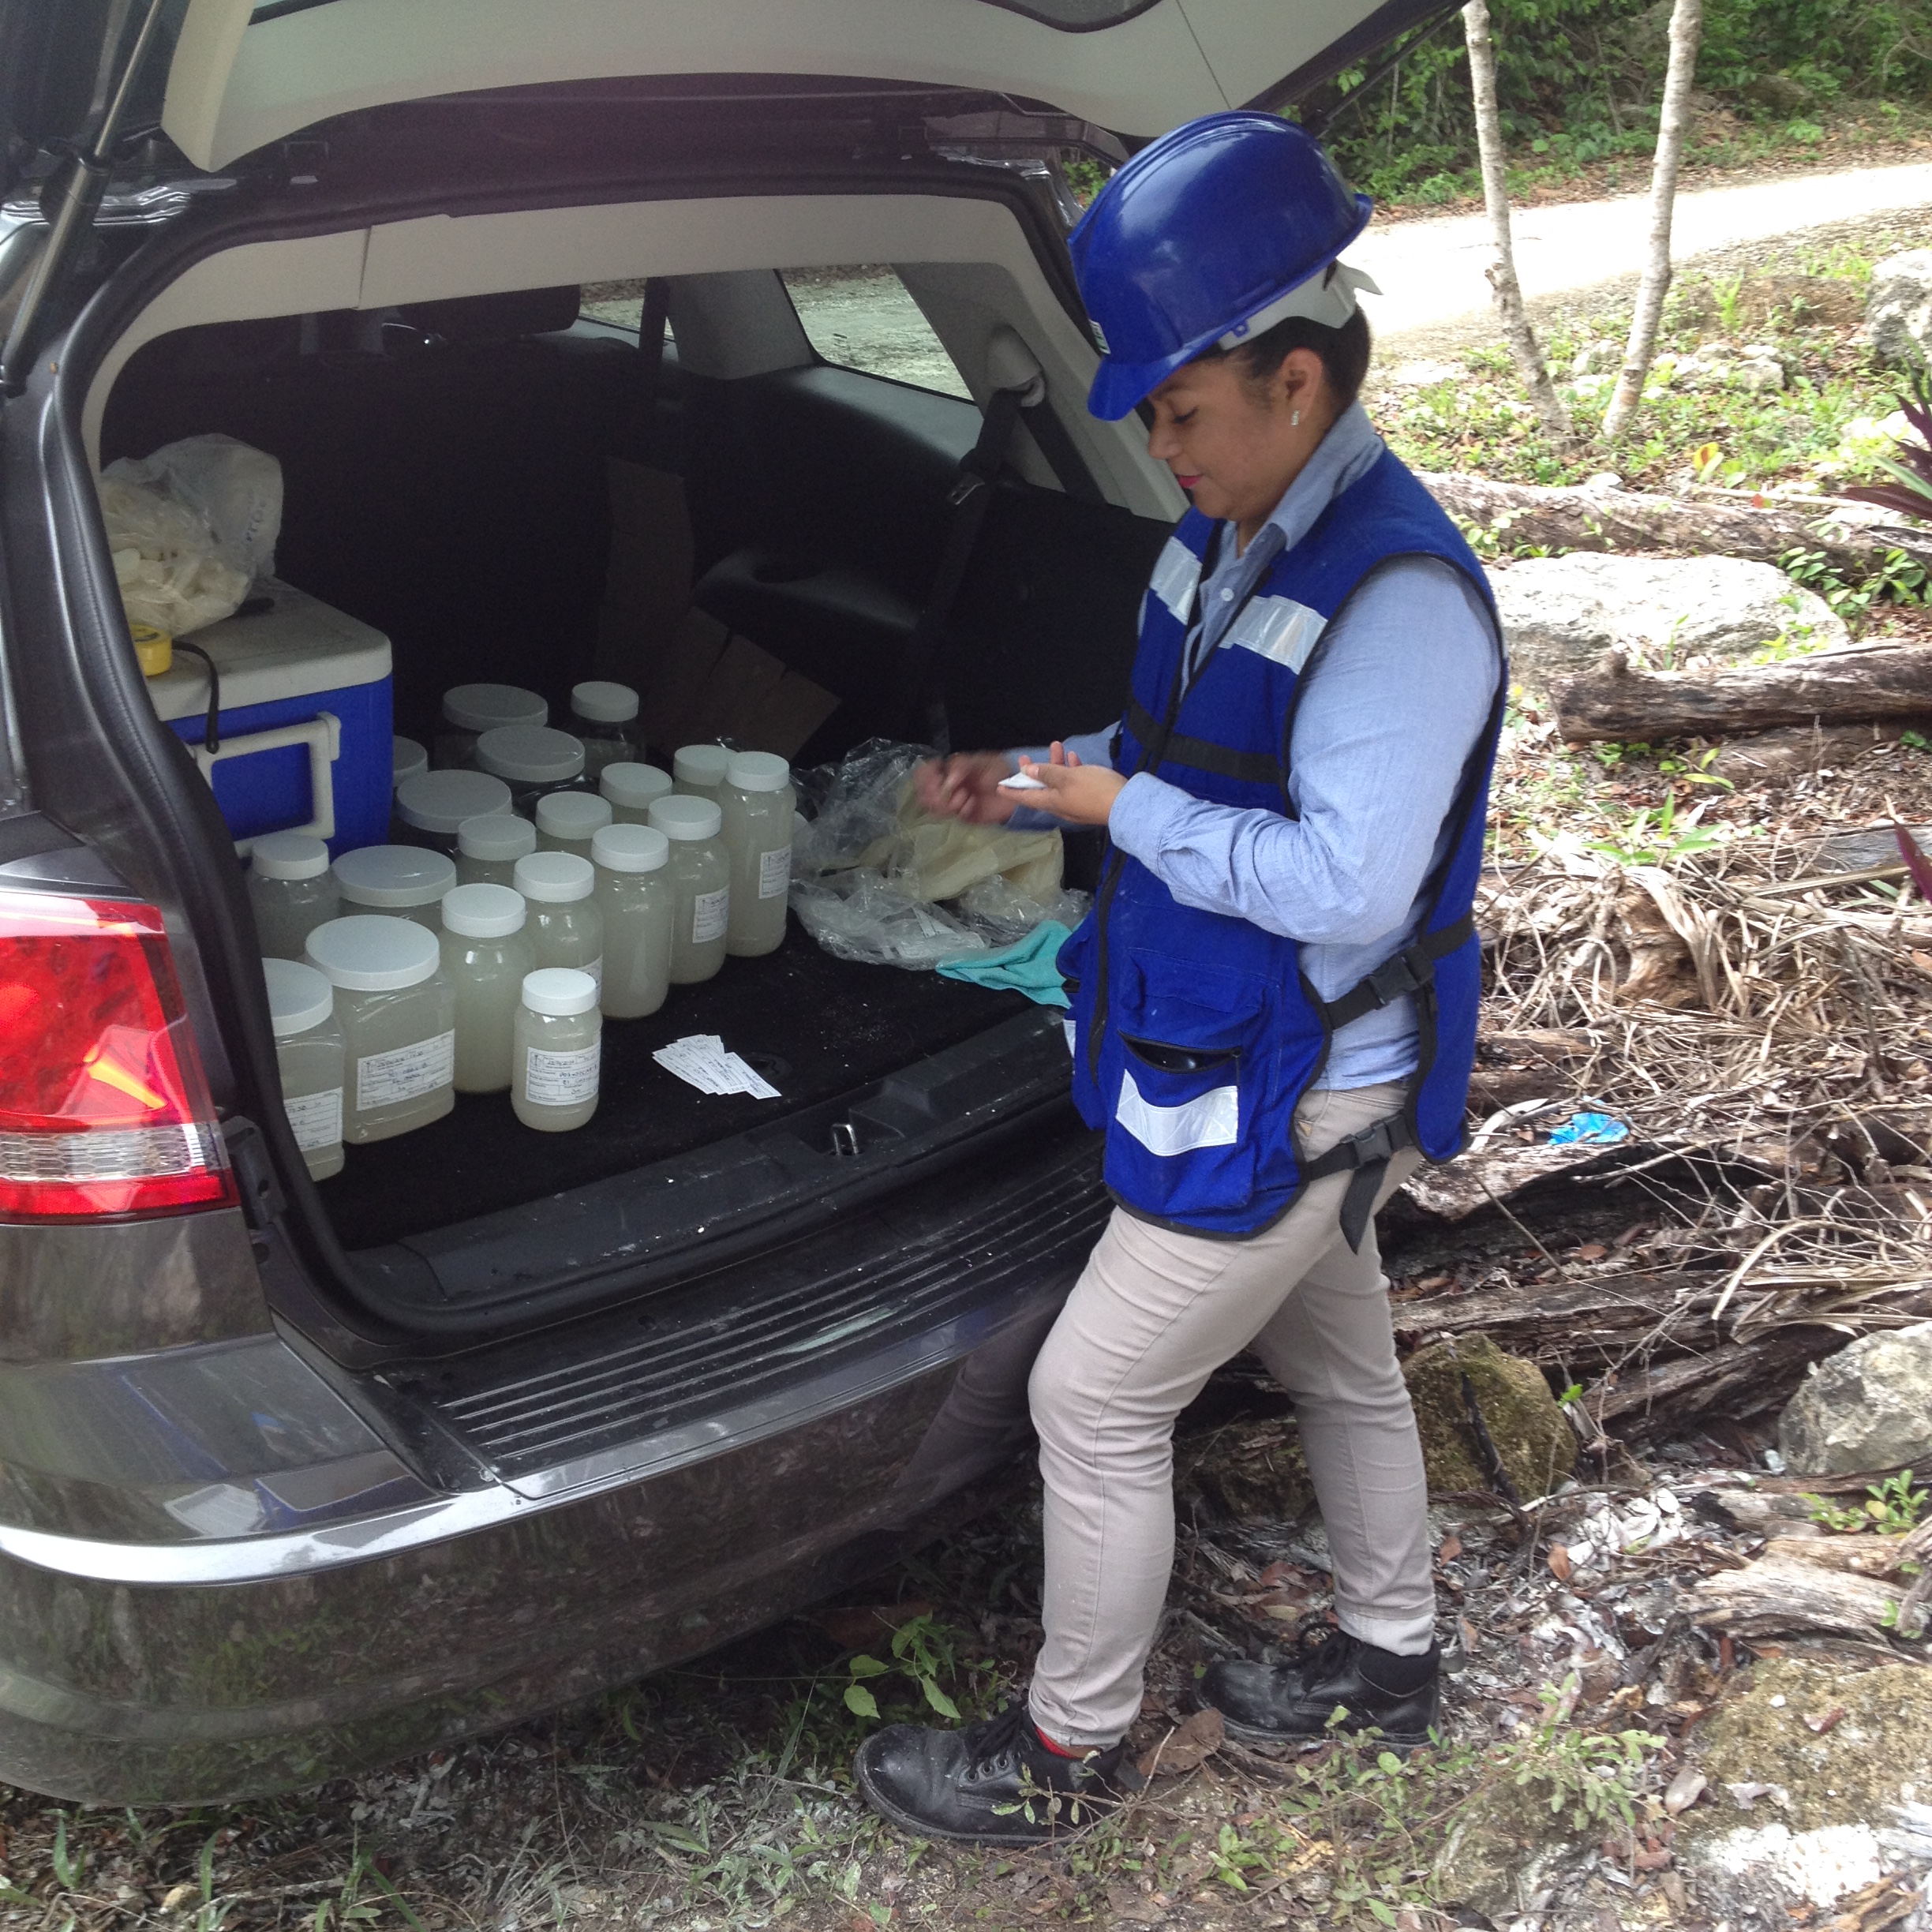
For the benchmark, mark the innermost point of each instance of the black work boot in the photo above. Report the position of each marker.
(1288, 1703)
(994, 1783)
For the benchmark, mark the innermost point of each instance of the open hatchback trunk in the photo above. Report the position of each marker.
(408, 283)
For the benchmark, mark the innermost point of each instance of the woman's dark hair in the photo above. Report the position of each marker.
(1344, 352)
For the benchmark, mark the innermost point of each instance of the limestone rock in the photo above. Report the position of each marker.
(1867, 1407)
(1898, 311)
(1530, 1431)
(1561, 614)
(1758, 373)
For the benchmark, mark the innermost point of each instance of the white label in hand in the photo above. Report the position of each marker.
(710, 914)
(561, 1079)
(774, 873)
(315, 1119)
(1020, 782)
(405, 1073)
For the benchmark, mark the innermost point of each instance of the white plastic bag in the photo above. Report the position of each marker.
(191, 527)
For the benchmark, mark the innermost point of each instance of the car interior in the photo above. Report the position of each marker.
(514, 489)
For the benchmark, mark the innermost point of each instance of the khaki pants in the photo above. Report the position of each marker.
(1153, 1316)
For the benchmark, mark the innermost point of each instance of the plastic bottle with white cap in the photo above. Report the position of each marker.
(469, 710)
(635, 894)
(407, 758)
(565, 821)
(487, 849)
(406, 880)
(699, 770)
(309, 1055)
(603, 715)
(397, 1016)
(291, 891)
(632, 790)
(757, 804)
(566, 926)
(532, 760)
(431, 807)
(556, 1049)
(485, 959)
(701, 877)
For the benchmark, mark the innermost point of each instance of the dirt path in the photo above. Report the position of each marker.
(1431, 271)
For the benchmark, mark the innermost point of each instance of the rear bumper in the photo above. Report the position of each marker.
(368, 1612)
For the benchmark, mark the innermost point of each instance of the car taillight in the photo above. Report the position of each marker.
(103, 1106)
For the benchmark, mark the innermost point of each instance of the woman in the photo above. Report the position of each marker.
(1274, 998)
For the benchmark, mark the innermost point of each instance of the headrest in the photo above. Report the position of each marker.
(495, 318)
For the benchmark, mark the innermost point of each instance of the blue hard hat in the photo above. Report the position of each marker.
(1201, 233)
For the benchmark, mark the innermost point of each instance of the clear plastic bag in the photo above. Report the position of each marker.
(877, 879)
(191, 528)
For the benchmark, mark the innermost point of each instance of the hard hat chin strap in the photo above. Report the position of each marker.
(1328, 299)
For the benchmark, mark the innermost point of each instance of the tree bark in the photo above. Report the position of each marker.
(1502, 272)
(1614, 701)
(1778, 1596)
(1686, 30)
(1852, 536)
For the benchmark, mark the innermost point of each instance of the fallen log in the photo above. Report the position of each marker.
(1614, 701)
(1786, 752)
(1853, 536)
(1781, 1595)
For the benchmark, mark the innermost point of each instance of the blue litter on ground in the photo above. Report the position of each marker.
(1590, 1130)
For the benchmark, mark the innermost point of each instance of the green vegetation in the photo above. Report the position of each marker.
(1891, 1508)
(1579, 80)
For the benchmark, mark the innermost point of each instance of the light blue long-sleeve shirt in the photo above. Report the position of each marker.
(1397, 694)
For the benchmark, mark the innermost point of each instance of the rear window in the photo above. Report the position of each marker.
(1077, 15)
(864, 318)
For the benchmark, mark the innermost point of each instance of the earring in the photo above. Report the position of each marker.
(1294, 419)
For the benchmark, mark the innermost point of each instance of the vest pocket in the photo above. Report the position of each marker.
(1181, 1138)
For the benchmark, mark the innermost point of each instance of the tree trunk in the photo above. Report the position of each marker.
(1614, 701)
(1686, 29)
(1854, 536)
(1502, 272)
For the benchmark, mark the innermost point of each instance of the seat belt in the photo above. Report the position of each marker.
(917, 688)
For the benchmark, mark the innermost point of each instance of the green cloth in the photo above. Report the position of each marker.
(1027, 967)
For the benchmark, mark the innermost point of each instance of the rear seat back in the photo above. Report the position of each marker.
(451, 491)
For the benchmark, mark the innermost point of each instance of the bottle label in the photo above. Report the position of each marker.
(406, 1072)
(774, 873)
(560, 1079)
(315, 1119)
(710, 914)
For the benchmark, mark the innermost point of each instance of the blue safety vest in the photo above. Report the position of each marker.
(1194, 1033)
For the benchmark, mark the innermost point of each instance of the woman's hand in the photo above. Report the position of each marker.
(966, 786)
(1080, 794)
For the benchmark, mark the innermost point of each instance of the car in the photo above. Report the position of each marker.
(299, 1477)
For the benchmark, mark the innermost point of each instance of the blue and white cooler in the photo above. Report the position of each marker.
(303, 738)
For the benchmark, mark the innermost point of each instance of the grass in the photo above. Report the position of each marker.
(1701, 421)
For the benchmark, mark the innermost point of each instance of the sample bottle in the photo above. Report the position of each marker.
(291, 891)
(555, 1050)
(485, 959)
(758, 804)
(699, 770)
(565, 821)
(469, 710)
(397, 1016)
(632, 790)
(309, 1054)
(409, 881)
(407, 758)
(487, 849)
(604, 717)
(635, 894)
(532, 760)
(700, 876)
(566, 928)
(431, 807)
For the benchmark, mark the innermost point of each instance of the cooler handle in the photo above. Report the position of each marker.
(322, 734)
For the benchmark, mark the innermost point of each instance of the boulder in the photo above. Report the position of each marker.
(1561, 614)
(1530, 1432)
(1898, 311)
(1867, 1407)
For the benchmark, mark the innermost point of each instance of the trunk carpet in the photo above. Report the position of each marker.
(814, 1026)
